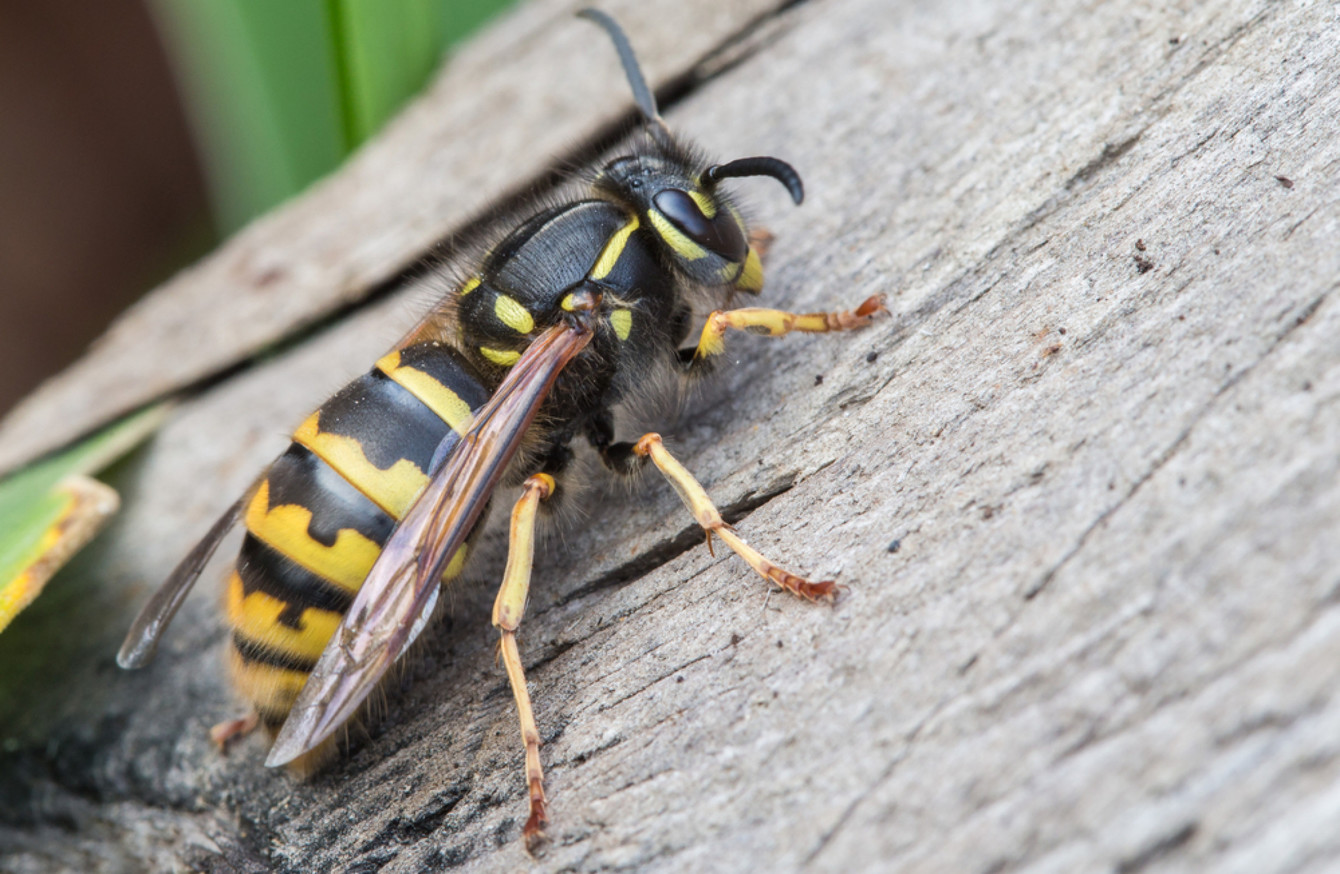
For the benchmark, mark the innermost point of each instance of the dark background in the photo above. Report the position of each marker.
(101, 194)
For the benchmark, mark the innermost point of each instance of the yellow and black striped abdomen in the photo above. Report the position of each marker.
(317, 521)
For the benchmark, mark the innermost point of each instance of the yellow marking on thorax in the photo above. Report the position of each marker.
(256, 616)
(674, 237)
(345, 563)
(512, 314)
(706, 205)
(614, 247)
(448, 405)
(501, 357)
(470, 285)
(393, 489)
(622, 321)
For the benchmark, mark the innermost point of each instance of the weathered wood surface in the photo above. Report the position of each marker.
(1109, 636)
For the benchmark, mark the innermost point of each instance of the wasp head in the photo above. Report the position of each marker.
(701, 230)
(698, 226)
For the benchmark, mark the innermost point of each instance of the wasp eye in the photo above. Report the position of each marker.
(720, 234)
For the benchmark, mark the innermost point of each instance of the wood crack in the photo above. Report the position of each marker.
(1171, 451)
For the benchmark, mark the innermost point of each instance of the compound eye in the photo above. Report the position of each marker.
(721, 234)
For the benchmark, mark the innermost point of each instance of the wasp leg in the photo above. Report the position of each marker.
(230, 730)
(775, 323)
(555, 463)
(507, 611)
(700, 505)
(618, 457)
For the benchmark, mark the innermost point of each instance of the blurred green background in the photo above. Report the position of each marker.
(137, 133)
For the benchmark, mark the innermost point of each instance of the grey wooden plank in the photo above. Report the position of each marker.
(1107, 639)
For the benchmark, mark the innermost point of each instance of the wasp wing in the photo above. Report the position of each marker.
(142, 640)
(390, 605)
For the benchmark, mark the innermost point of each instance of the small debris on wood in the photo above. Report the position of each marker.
(1142, 264)
(1285, 181)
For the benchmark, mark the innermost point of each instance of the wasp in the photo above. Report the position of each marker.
(375, 505)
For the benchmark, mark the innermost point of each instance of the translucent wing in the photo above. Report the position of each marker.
(391, 604)
(142, 640)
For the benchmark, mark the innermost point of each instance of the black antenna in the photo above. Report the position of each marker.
(646, 101)
(774, 167)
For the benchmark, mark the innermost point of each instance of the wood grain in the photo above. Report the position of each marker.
(1082, 489)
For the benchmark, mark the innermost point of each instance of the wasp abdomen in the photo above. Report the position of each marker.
(318, 520)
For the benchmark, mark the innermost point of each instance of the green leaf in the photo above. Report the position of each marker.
(385, 51)
(280, 91)
(261, 86)
(50, 510)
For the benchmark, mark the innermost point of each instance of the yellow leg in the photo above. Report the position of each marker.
(507, 612)
(695, 498)
(775, 323)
